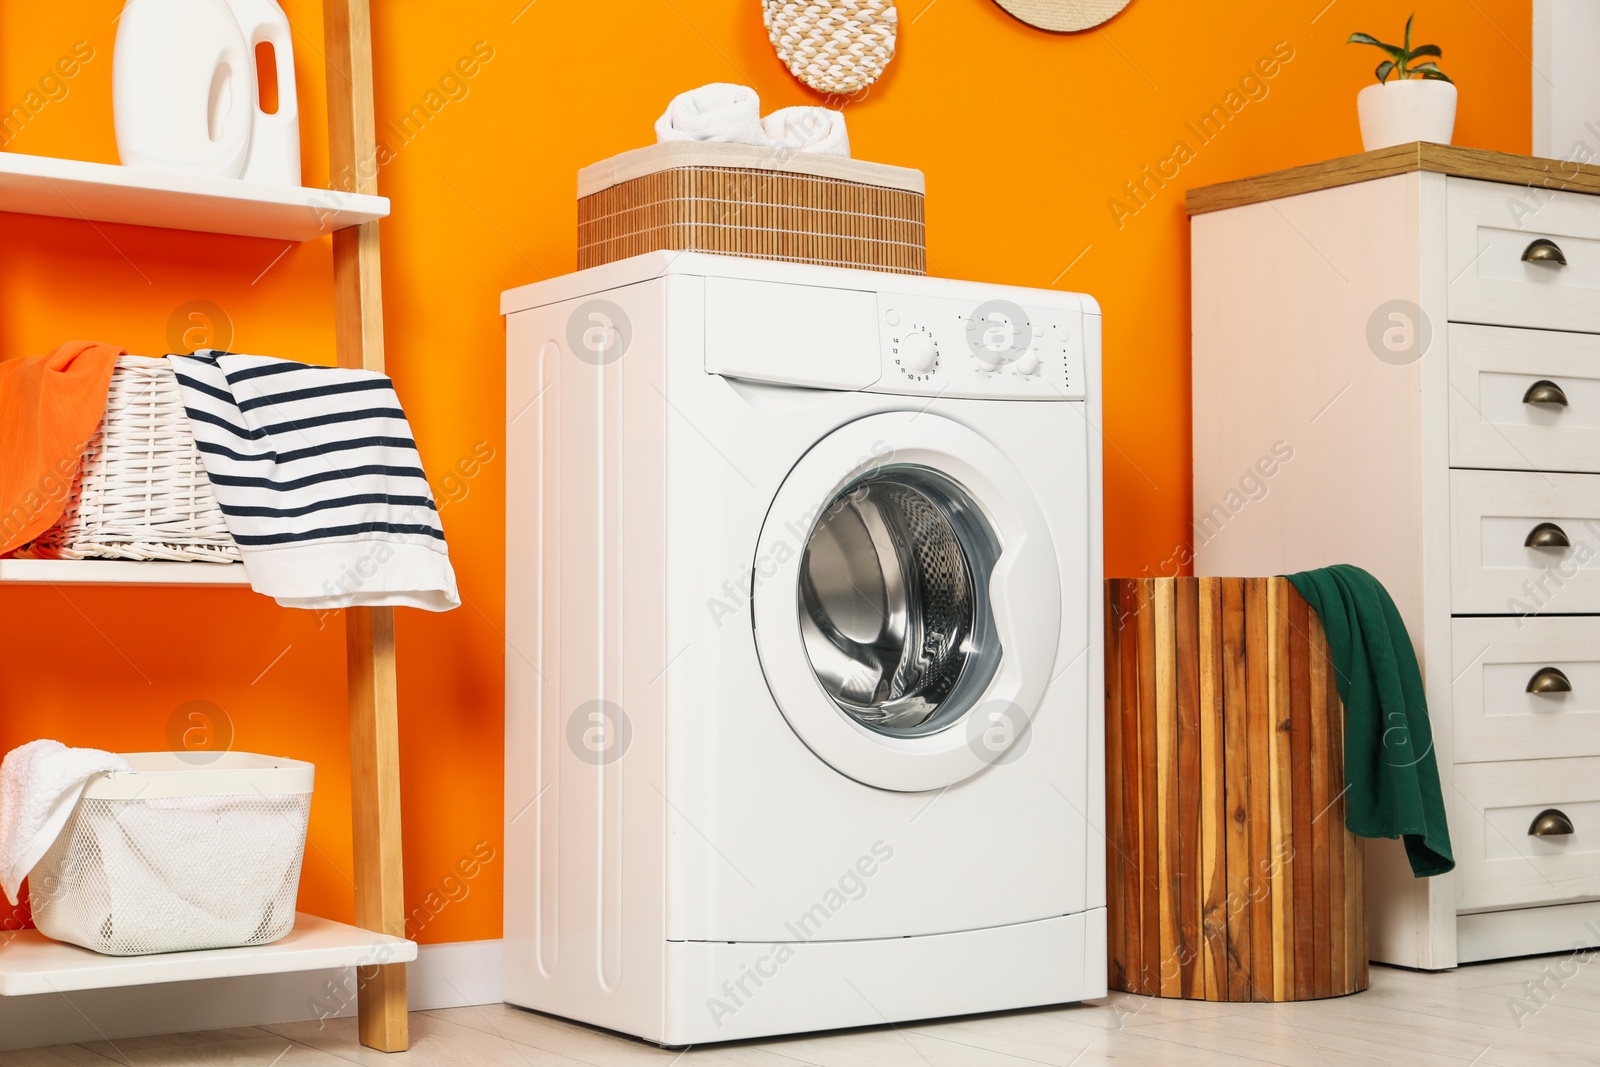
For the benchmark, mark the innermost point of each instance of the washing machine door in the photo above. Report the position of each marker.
(907, 602)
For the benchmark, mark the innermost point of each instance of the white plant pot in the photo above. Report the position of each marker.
(1400, 112)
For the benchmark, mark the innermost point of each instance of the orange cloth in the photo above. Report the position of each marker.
(50, 407)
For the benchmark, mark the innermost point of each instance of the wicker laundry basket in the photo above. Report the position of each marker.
(142, 492)
(744, 200)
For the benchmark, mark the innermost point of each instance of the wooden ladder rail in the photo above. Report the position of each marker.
(369, 632)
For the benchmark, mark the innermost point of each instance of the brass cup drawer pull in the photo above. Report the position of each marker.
(1547, 535)
(1550, 680)
(1545, 391)
(1544, 250)
(1551, 822)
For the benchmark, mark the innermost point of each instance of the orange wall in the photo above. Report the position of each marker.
(1026, 139)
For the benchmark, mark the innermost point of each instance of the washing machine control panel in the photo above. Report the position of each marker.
(994, 349)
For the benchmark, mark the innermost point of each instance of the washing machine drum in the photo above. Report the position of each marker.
(908, 615)
(894, 602)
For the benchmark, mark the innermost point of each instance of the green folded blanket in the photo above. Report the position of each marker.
(1390, 773)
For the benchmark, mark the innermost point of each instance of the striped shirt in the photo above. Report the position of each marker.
(319, 481)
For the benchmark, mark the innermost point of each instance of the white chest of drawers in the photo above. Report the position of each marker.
(1421, 327)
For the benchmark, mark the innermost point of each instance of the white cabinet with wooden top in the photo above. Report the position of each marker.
(1418, 330)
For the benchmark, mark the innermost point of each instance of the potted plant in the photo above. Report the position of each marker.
(1419, 105)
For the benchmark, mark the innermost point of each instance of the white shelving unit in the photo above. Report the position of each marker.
(33, 964)
(103, 192)
(119, 572)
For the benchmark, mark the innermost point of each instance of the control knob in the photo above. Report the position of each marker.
(918, 352)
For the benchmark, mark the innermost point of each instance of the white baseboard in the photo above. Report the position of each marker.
(457, 975)
(444, 976)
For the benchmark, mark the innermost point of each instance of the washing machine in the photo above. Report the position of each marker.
(804, 701)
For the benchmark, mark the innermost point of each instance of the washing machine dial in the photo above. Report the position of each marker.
(1028, 362)
(919, 352)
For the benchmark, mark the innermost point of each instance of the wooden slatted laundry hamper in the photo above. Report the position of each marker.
(1230, 874)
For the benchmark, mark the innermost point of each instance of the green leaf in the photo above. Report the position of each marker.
(1429, 70)
(1367, 38)
(1395, 53)
(1426, 50)
(1384, 70)
(1409, 21)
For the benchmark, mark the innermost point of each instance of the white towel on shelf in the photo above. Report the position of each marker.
(161, 887)
(40, 784)
(715, 112)
(319, 481)
(818, 130)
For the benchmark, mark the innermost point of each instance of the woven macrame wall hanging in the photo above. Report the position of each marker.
(834, 46)
(1064, 16)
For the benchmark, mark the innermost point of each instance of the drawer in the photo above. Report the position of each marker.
(1499, 864)
(1492, 227)
(1506, 393)
(1496, 662)
(1493, 571)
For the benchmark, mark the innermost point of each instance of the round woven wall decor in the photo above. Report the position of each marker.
(834, 46)
(1064, 16)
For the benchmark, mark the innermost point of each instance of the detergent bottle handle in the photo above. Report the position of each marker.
(263, 20)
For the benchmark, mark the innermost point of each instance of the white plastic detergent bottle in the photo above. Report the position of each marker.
(182, 87)
(275, 137)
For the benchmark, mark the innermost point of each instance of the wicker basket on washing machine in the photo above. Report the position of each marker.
(745, 200)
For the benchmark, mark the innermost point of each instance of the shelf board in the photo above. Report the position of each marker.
(119, 572)
(31, 963)
(102, 192)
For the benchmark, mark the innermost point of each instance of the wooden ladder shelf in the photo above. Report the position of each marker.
(377, 947)
(369, 632)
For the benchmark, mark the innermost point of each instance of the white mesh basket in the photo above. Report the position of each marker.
(174, 856)
(142, 491)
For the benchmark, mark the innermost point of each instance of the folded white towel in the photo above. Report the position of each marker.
(808, 129)
(715, 112)
(40, 784)
(154, 889)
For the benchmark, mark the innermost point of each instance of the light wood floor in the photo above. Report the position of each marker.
(1538, 1012)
